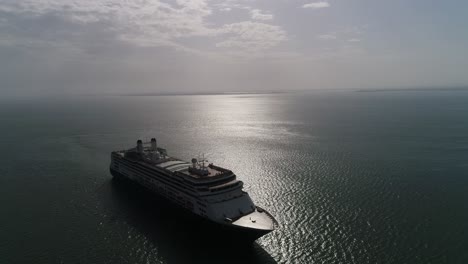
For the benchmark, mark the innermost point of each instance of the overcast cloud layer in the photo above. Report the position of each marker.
(111, 46)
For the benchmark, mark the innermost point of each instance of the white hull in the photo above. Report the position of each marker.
(218, 198)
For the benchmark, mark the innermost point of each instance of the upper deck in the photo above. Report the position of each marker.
(157, 157)
(177, 165)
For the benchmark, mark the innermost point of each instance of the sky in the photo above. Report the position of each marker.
(51, 47)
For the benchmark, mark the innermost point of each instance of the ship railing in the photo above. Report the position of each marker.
(261, 210)
(223, 170)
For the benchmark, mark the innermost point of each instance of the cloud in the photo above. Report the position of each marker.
(327, 36)
(251, 36)
(258, 15)
(148, 23)
(346, 34)
(228, 5)
(316, 5)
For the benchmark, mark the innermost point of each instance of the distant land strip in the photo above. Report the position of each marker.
(199, 93)
(421, 89)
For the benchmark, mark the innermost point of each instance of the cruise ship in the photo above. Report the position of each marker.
(206, 191)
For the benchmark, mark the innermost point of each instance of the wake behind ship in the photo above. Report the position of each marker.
(210, 192)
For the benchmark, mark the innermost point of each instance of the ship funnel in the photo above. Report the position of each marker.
(139, 146)
(194, 163)
(154, 145)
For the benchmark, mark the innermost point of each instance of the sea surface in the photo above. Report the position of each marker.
(352, 177)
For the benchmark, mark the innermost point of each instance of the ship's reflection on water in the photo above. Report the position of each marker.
(176, 237)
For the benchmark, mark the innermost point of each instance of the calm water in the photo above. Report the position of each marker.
(352, 177)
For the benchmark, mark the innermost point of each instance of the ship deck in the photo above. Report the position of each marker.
(177, 165)
(211, 173)
(174, 164)
(258, 219)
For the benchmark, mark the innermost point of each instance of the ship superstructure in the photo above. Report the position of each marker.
(208, 191)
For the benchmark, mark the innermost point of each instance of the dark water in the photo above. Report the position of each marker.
(352, 177)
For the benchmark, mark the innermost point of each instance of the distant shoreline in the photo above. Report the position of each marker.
(201, 93)
(419, 89)
(213, 93)
(433, 89)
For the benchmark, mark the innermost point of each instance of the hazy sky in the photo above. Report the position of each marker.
(116, 46)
